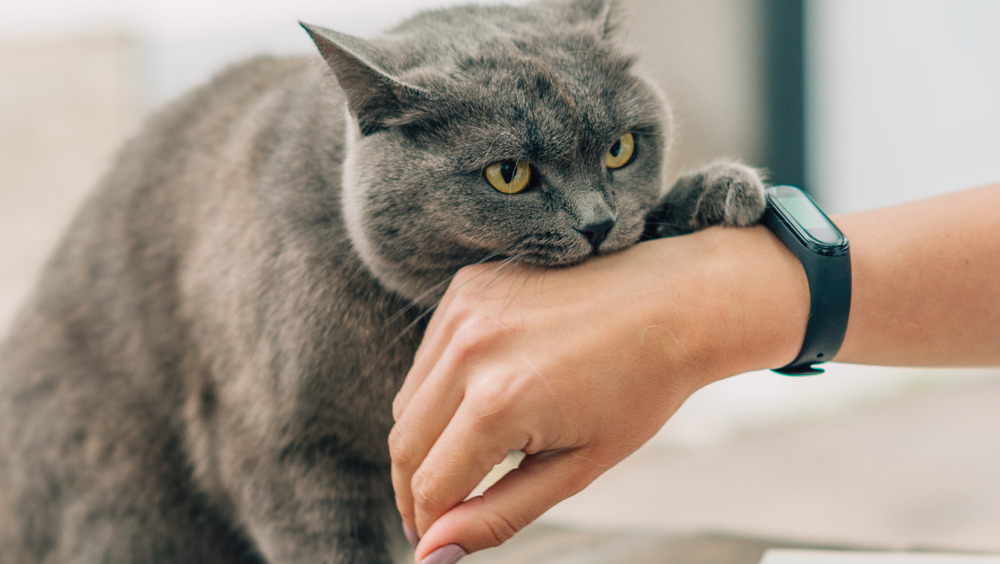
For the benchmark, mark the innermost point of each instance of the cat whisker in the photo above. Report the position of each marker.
(433, 289)
(503, 28)
(589, 52)
(489, 151)
(423, 315)
(650, 133)
(416, 303)
(631, 23)
(504, 265)
(511, 295)
(388, 347)
(670, 224)
(350, 278)
(677, 12)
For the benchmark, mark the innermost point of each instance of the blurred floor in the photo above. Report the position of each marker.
(547, 544)
(914, 469)
(918, 471)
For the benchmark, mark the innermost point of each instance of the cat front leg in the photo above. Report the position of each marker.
(722, 193)
(327, 516)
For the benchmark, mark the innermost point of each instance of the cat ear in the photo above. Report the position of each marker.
(600, 12)
(374, 96)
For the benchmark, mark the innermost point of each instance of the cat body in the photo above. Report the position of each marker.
(205, 370)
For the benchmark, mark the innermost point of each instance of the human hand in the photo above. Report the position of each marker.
(577, 367)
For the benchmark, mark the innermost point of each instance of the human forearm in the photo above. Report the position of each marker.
(926, 282)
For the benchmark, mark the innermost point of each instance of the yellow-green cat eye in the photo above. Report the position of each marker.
(509, 177)
(621, 152)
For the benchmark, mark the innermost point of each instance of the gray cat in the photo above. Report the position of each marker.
(206, 368)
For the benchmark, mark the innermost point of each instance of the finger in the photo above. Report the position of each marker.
(474, 441)
(440, 333)
(436, 338)
(515, 501)
(415, 432)
(451, 315)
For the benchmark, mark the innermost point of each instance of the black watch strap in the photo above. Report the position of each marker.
(828, 269)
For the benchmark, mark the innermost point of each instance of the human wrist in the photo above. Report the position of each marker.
(761, 293)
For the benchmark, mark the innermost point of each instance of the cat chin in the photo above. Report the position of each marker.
(555, 261)
(548, 261)
(427, 288)
(570, 257)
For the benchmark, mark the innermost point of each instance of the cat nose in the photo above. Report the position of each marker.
(596, 232)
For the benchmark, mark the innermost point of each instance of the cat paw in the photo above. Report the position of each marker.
(722, 193)
(731, 194)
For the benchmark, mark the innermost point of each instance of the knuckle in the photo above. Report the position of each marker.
(398, 450)
(397, 408)
(499, 528)
(477, 335)
(494, 399)
(423, 491)
(468, 275)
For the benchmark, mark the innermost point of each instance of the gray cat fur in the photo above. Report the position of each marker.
(205, 370)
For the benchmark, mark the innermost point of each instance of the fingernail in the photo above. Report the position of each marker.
(448, 554)
(411, 535)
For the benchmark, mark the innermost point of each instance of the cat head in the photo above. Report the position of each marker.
(487, 133)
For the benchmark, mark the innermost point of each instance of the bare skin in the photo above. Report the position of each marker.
(578, 367)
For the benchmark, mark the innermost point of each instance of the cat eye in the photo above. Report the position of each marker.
(509, 177)
(621, 152)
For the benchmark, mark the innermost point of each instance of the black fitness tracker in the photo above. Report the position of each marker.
(825, 256)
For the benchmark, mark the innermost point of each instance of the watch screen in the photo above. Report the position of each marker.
(808, 215)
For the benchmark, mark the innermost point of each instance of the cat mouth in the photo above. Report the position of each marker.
(552, 249)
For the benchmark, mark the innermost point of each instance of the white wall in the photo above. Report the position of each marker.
(32, 18)
(904, 99)
(706, 56)
(182, 42)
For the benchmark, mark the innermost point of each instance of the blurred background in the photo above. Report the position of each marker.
(865, 103)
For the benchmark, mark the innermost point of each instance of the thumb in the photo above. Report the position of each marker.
(519, 498)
